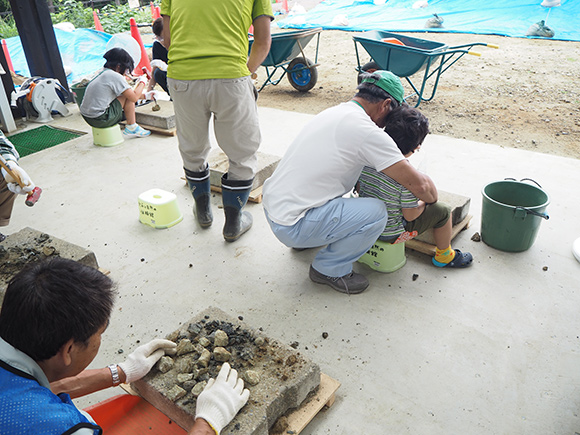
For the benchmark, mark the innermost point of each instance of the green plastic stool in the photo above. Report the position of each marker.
(385, 257)
(159, 209)
(108, 137)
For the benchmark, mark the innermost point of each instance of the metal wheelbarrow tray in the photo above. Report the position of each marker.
(405, 56)
(284, 55)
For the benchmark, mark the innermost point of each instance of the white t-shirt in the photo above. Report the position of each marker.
(325, 161)
(101, 92)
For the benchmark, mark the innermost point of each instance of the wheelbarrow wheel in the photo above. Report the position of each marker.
(302, 75)
(369, 67)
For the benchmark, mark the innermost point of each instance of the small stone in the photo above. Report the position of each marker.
(184, 346)
(48, 250)
(176, 393)
(325, 335)
(221, 354)
(240, 317)
(221, 339)
(173, 336)
(185, 365)
(204, 358)
(545, 268)
(194, 328)
(476, 237)
(294, 345)
(184, 377)
(196, 391)
(120, 351)
(165, 364)
(251, 377)
(291, 360)
(203, 341)
(259, 341)
(188, 385)
(415, 276)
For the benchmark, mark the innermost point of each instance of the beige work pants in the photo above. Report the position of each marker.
(6, 203)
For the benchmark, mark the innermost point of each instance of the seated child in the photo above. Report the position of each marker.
(409, 216)
(159, 54)
(108, 96)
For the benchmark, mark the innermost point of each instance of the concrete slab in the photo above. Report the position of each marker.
(218, 165)
(490, 349)
(164, 118)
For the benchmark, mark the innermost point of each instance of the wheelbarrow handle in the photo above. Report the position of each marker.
(492, 46)
(474, 53)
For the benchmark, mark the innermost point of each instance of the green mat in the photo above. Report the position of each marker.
(41, 138)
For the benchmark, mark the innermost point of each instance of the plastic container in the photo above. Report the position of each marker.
(108, 137)
(511, 214)
(78, 93)
(159, 209)
(385, 257)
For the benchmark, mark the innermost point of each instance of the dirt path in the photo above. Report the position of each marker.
(524, 95)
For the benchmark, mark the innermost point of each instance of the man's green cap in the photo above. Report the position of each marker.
(388, 82)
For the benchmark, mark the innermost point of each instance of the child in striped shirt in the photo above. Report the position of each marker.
(407, 215)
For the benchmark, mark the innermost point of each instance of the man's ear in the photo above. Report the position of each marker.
(65, 353)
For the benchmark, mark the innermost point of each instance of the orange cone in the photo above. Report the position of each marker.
(144, 57)
(7, 55)
(285, 5)
(97, 22)
(157, 12)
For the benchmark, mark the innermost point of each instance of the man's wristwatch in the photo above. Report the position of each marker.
(114, 374)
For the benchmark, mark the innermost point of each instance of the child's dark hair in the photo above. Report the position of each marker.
(119, 60)
(157, 26)
(407, 127)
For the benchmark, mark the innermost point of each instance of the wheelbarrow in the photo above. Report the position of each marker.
(283, 55)
(405, 56)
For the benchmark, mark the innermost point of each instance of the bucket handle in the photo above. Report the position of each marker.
(535, 213)
(529, 179)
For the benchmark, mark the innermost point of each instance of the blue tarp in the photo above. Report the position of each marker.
(496, 17)
(82, 50)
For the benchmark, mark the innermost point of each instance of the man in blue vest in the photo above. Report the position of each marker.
(52, 318)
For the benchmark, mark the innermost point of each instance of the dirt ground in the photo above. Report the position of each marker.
(526, 94)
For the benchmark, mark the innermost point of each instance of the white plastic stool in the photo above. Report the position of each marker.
(108, 137)
(385, 257)
(159, 209)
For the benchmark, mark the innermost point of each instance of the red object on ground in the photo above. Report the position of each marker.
(126, 414)
(97, 22)
(144, 57)
(7, 55)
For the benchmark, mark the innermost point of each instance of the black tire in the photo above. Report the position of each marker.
(368, 67)
(305, 78)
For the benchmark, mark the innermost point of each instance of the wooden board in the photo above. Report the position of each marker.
(426, 248)
(300, 417)
(255, 195)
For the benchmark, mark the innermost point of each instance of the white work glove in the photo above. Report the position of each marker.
(143, 79)
(12, 183)
(158, 63)
(144, 357)
(221, 399)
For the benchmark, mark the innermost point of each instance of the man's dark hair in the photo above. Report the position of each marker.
(49, 302)
(157, 26)
(407, 127)
(118, 57)
(372, 93)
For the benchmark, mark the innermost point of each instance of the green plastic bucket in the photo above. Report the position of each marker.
(79, 93)
(511, 214)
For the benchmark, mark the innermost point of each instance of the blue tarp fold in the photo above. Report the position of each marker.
(496, 17)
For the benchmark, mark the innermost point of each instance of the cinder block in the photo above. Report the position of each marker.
(285, 376)
(164, 118)
(218, 166)
(459, 209)
(29, 245)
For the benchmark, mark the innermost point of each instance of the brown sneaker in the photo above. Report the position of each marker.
(351, 284)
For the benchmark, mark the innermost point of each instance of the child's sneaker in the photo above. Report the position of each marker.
(138, 132)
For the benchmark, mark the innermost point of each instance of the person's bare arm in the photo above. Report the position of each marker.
(166, 33)
(201, 427)
(418, 183)
(262, 42)
(410, 214)
(86, 382)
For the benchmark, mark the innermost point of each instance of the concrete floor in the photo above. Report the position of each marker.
(493, 349)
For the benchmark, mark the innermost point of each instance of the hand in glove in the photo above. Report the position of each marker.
(157, 63)
(222, 398)
(144, 357)
(12, 182)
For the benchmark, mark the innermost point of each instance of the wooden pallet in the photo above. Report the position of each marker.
(153, 129)
(255, 195)
(427, 248)
(300, 417)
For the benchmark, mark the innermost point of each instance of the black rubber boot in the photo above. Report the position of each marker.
(198, 183)
(235, 194)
